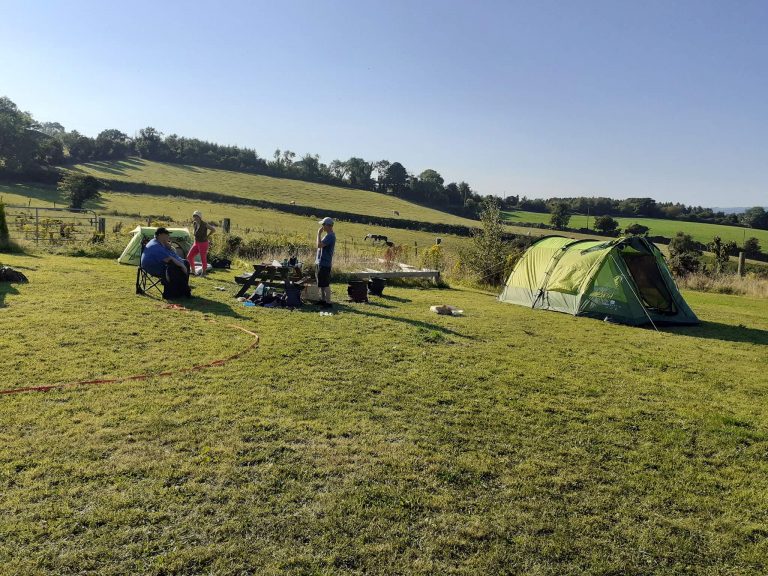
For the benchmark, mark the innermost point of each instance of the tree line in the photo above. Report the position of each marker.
(31, 150)
(755, 217)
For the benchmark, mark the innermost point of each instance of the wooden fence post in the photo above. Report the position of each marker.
(225, 224)
(742, 263)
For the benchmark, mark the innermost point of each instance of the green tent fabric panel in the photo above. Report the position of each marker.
(609, 295)
(132, 252)
(575, 268)
(530, 270)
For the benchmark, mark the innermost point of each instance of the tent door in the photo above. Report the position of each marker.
(650, 284)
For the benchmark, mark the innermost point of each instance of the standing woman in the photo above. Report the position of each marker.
(202, 230)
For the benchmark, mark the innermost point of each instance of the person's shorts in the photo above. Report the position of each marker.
(323, 276)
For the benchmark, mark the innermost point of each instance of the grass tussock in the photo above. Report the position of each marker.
(750, 285)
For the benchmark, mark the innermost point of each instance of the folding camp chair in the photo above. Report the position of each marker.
(145, 281)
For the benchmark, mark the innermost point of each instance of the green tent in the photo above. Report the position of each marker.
(625, 280)
(132, 252)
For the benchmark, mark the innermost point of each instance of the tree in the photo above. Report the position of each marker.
(755, 217)
(149, 144)
(79, 188)
(722, 251)
(359, 172)
(606, 224)
(80, 148)
(308, 166)
(751, 247)
(111, 144)
(636, 229)
(381, 174)
(560, 215)
(19, 139)
(429, 186)
(684, 254)
(338, 169)
(396, 178)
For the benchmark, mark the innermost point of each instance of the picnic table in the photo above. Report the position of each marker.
(271, 275)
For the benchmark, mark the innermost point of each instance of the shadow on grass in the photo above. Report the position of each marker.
(726, 332)
(394, 298)
(5, 289)
(208, 306)
(187, 167)
(114, 167)
(417, 323)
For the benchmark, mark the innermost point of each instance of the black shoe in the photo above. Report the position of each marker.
(326, 305)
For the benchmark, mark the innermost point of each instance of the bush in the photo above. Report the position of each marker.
(685, 254)
(433, 258)
(486, 257)
(605, 224)
(5, 236)
(79, 188)
(636, 229)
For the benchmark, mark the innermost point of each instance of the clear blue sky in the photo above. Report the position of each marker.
(666, 99)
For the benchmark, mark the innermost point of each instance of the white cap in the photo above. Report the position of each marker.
(326, 221)
(197, 213)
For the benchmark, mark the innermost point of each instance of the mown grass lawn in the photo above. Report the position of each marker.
(657, 227)
(382, 440)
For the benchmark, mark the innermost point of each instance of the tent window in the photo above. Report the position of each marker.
(652, 289)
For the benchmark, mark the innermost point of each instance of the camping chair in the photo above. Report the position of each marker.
(145, 281)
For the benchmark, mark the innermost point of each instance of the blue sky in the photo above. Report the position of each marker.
(656, 98)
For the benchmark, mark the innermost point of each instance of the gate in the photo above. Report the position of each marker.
(52, 225)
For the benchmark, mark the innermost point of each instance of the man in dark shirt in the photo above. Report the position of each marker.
(325, 248)
(160, 259)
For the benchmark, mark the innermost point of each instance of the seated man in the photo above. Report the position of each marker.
(160, 259)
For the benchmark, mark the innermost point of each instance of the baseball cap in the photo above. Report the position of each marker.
(326, 221)
(161, 230)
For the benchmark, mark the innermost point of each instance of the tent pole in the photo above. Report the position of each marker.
(639, 301)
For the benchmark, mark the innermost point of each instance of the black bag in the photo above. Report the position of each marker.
(358, 291)
(293, 297)
(177, 285)
(376, 286)
(218, 262)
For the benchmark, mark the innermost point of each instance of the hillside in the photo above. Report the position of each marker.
(280, 190)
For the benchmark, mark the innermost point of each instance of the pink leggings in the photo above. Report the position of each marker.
(202, 249)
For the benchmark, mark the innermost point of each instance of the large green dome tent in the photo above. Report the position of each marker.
(624, 280)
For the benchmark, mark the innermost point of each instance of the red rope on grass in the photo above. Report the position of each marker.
(219, 362)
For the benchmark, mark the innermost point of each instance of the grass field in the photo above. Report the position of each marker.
(239, 184)
(382, 440)
(252, 220)
(658, 227)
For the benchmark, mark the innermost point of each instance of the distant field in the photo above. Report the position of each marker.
(238, 184)
(658, 227)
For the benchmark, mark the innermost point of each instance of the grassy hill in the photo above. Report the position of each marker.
(242, 185)
(382, 440)
(658, 227)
